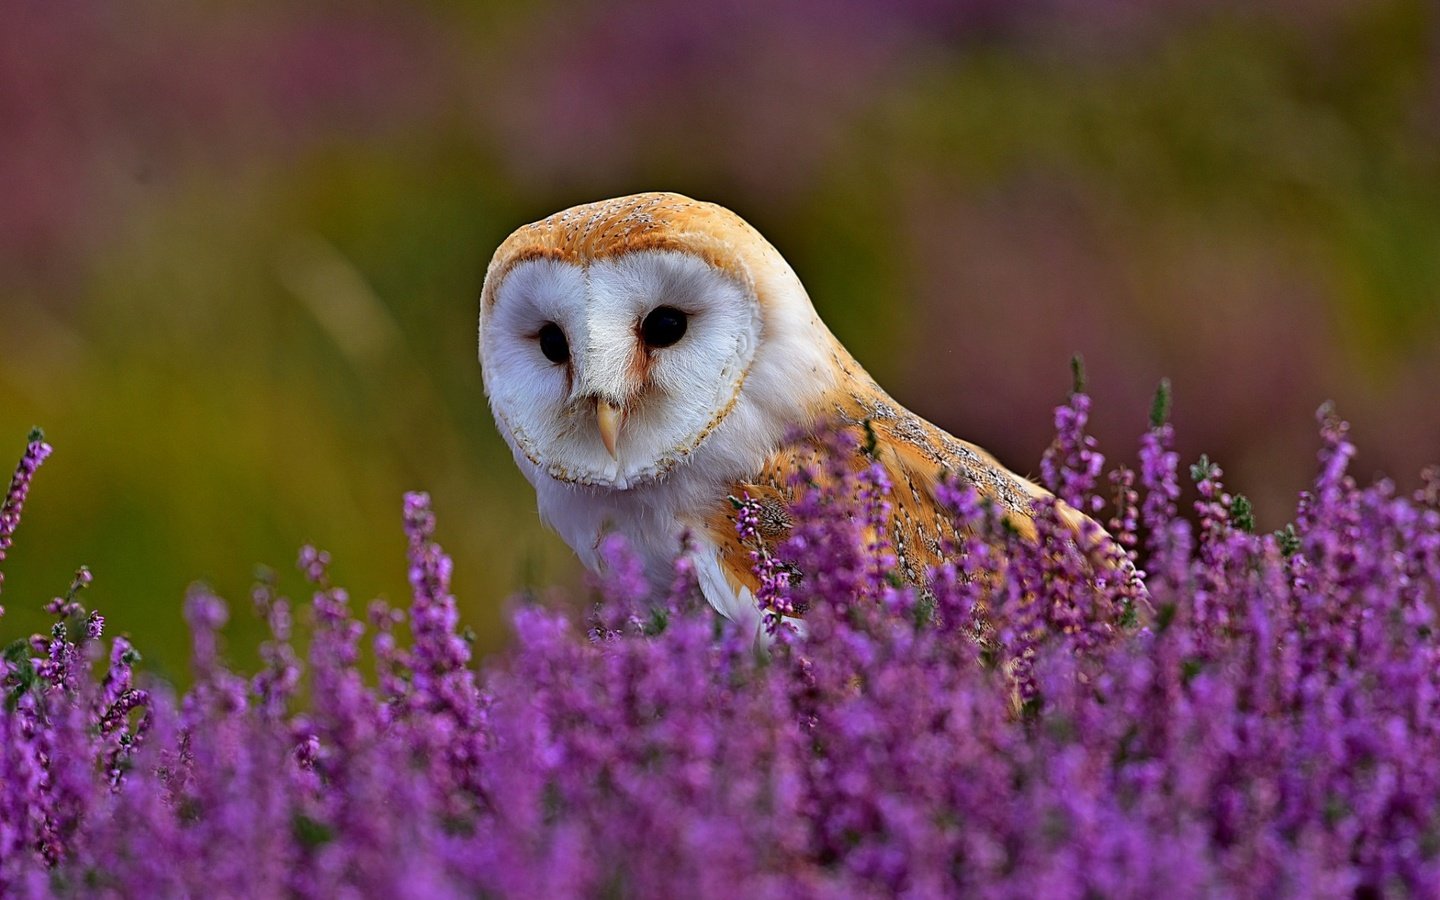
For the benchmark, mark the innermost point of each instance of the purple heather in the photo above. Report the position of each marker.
(35, 453)
(1259, 716)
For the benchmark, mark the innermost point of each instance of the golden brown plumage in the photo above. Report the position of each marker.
(916, 456)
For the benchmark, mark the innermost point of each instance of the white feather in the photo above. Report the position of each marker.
(680, 448)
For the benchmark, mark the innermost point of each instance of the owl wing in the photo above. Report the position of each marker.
(915, 455)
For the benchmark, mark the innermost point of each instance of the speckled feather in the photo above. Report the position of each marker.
(916, 455)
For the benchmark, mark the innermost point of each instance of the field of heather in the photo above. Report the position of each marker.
(1258, 714)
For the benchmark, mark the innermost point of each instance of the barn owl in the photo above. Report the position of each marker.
(651, 356)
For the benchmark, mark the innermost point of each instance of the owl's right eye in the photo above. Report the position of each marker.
(553, 343)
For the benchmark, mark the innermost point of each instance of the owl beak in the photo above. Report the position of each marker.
(609, 417)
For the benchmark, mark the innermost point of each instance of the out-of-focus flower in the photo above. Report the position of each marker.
(36, 452)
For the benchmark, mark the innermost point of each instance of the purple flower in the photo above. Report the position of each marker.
(35, 453)
(1022, 726)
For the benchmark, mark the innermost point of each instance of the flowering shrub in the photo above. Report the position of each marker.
(1261, 716)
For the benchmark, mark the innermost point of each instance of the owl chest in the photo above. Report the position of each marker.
(655, 526)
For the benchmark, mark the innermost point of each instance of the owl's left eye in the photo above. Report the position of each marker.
(553, 343)
(664, 326)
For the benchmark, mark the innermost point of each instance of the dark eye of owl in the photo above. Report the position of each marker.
(553, 343)
(664, 326)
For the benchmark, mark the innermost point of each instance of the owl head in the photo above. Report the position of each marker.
(623, 339)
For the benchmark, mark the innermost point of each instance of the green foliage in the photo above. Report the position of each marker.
(310, 833)
(1077, 374)
(1160, 406)
(1202, 469)
(1288, 540)
(1242, 513)
(22, 677)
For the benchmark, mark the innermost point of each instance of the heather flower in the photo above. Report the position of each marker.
(1024, 725)
(1072, 465)
(275, 685)
(36, 452)
(773, 594)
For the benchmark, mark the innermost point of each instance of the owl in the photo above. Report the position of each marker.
(649, 357)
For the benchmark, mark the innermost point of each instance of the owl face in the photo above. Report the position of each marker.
(610, 371)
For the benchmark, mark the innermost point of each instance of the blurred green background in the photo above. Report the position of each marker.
(240, 247)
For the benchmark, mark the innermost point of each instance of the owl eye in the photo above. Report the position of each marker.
(553, 343)
(664, 326)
